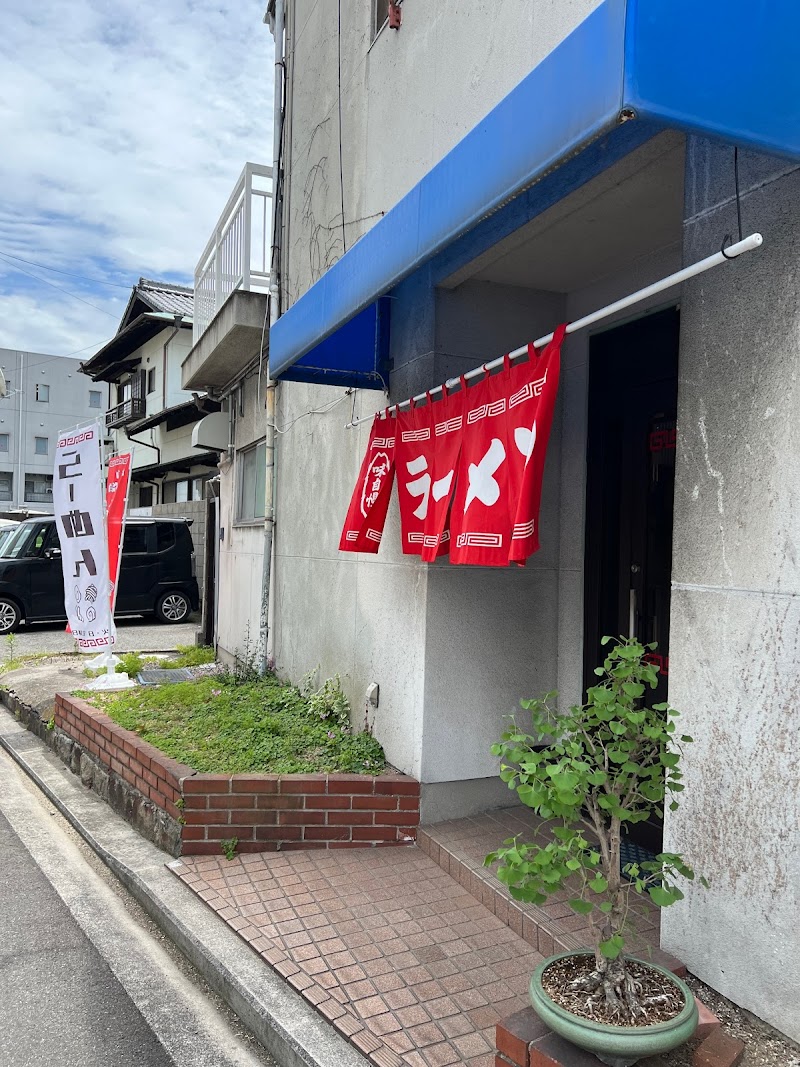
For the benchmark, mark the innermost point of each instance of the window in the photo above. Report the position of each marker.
(3, 442)
(39, 488)
(251, 483)
(43, 393)
(27, 539)
(40, 446)
(182, 490)
(146, 496)
(95, 398)
(165, 536)
(135, 540)
(379, 15)
(6, 483)
(151, 380)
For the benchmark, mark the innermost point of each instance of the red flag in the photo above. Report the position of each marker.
(117, 482)
(369, 503)
(414, 456)
(447, 419)
(531, 417)
(499, 482)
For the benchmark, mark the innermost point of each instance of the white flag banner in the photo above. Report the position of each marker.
(79, 505)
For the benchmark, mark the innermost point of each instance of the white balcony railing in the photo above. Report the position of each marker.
(239, 252)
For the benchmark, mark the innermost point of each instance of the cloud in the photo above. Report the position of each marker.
(124, 127)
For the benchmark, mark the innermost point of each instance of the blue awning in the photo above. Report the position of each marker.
(722, 68)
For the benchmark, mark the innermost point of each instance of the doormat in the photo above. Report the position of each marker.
(630, 852)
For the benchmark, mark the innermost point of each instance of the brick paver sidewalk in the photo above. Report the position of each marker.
(387, 946)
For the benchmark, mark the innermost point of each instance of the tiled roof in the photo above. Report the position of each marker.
(164, 296)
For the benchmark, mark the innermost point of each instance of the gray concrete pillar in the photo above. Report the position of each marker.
(735, 631)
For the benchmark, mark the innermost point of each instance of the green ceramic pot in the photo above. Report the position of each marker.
(618, 1046)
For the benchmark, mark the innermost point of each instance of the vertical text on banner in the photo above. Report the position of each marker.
(495, 517)
(79, 506)
(366, 516)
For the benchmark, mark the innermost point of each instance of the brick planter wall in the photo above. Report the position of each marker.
(265, 812)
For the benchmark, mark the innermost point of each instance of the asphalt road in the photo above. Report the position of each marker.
(133, 635)
(88, 980)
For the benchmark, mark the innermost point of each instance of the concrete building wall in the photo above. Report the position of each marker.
(407, 98)
(24, 418)
(735, 648)
(241, 544)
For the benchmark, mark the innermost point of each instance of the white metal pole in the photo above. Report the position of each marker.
(755, 240)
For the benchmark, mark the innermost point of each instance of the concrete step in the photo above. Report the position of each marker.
(459, 846)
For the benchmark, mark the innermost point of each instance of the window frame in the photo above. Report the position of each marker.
(378, 23)
(10, 476)
(4, 437)
(45, 388)
(37, 451)
(30, 496)
(259, 449)
(99, 394)
(151, 374)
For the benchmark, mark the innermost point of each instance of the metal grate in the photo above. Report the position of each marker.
(163, 677)
(630, 852)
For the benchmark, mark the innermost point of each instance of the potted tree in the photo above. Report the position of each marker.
(590, 773)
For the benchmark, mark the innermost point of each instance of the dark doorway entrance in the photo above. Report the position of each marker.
(633, 396)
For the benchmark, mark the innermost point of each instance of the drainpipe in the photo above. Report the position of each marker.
(139, 441)
(267, 595)
(176, 327)
(20, 490)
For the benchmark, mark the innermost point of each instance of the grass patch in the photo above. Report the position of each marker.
(222, 725)
(191, 656)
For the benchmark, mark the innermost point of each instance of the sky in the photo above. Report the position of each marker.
(123, 128)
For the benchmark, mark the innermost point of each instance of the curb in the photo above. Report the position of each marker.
(285, 1024)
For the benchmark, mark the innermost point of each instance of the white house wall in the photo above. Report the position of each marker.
(174, 444)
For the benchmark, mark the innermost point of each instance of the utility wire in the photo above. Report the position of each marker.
(59, 288)
(81, 277)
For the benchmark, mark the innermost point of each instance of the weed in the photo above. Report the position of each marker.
(191, 656)
(329, 703)
(228, 846)
(220, 725)
(50, 724)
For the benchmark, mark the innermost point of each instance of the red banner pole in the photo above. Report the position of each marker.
(117, 486)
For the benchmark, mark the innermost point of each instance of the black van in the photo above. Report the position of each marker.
(156, 576)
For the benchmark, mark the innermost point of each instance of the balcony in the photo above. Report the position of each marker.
(128, 411)
(231, 282)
